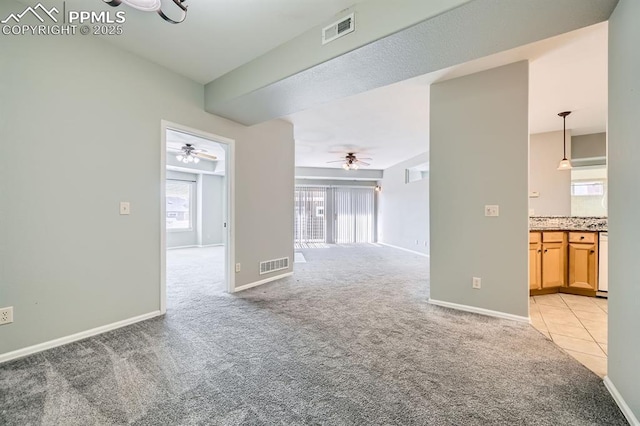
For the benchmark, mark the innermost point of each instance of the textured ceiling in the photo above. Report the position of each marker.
(391, 124)
(474, 30)
(218, 35)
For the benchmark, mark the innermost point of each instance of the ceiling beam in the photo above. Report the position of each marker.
(268, 87)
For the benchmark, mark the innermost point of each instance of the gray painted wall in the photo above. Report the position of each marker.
(404, 208)
(68, 261)
(212, 209)
(479, 155)
(589, 146)
(554, 186)
(624, 202)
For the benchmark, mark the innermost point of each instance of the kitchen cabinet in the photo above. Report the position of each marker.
(583, 261)
(535, 260)
(547, 260)
(554, 259)
(561, 261)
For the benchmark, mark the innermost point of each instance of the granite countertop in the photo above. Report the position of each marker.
(565, 223)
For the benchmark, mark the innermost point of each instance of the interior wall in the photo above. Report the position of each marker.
(68, 261)
(624, 203)
(553, 185)
(403, 219)
(479, 155)
(212, 210)
(589, 146)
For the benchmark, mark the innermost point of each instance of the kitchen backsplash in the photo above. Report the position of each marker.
(541, 223)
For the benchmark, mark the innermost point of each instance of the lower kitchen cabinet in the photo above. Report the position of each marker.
(583, 261)
(562, 261)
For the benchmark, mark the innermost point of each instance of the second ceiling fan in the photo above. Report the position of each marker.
(351, 161)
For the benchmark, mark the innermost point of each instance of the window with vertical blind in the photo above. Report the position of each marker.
(341, 215)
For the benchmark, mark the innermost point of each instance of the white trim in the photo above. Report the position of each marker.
(626, 410)
(196, 246)
(266, 280)
(404, 249)
(230, 155)
(75, 337)
(480, 311)
(183, 247)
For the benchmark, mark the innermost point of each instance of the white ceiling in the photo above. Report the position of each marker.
(390, 124)
(218, 35)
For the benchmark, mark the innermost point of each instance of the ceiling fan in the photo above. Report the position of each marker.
(351, 162)
(190, 154)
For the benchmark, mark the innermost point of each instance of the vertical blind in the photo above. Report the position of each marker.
(309, 220)
(352, 211)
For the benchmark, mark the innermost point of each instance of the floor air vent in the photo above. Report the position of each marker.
(338, 29)
(274, 265)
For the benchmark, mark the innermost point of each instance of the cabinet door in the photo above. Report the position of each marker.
(583, 266)
(554, 265)
(535, 266)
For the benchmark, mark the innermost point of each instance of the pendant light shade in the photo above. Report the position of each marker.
(564, 164)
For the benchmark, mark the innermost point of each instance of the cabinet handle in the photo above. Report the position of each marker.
(539, 251)
(593, 251)
(582, 237)
(545, 250)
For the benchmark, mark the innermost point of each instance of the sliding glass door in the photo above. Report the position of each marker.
(309, 220)
(341, 215)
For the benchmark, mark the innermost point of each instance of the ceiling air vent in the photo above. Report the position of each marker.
(338, 29)
(274, 265)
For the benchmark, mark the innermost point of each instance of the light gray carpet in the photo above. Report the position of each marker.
(348, 340)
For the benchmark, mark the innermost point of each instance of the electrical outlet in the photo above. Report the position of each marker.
(238, 267)
(6, 315)
(476, 283)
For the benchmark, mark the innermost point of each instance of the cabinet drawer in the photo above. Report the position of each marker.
(582, 237)
(535, 237)
(553, 237)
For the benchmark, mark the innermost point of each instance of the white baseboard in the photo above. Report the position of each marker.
(74, 337)
(404, 249)
(626, 410)
(182, 247)
(266, 280)
(480, 311)
(211, 245)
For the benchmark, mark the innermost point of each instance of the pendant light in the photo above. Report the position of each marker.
(564, 163)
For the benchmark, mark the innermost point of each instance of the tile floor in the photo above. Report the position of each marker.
(578, 324)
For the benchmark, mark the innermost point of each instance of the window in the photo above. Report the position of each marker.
(416, 173)
(589, 191)
(179, 199)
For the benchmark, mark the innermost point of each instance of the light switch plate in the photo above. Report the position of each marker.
(491, 210)
(125, 207)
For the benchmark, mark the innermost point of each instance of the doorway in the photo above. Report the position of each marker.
(196, 207)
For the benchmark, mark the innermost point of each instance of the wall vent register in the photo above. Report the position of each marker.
(338, 29)
(268, 266)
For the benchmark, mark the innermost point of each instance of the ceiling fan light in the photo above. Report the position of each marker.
(179, 157)
(345, 166)
(565, 164)
(196, 160)
(144, 5)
